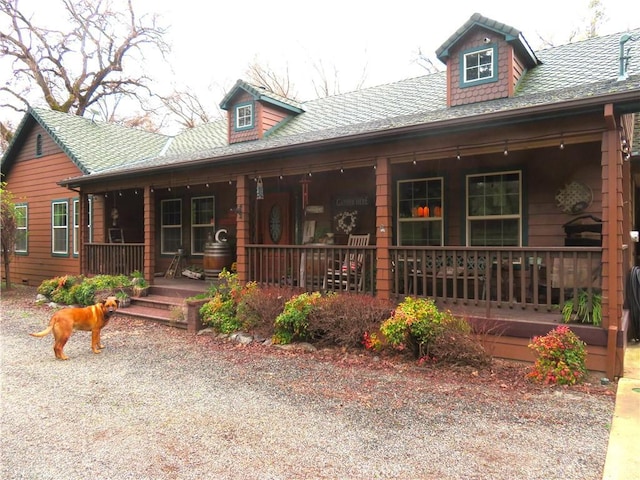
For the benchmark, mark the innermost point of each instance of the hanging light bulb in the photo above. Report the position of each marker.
(506, 149)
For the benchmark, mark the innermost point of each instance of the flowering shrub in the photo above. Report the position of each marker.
(560, 358)
(220, 312)
(413, 324)
(293, 322)
(371, 341)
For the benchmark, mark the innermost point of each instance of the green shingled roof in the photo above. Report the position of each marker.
(95, 146)
(586, 69)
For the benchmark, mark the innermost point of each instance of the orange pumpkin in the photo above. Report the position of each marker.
(425, 211)
(420, 212)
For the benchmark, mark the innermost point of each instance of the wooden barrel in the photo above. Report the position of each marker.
(217, 256)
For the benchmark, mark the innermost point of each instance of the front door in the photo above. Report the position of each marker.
(275, 219)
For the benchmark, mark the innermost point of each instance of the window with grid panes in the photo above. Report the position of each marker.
(420, 208)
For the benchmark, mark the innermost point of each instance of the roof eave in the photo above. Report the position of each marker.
(627, 102)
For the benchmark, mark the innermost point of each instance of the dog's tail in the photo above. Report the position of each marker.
(44, 332)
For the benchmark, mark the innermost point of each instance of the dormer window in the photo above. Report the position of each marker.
(478, 66)
(244, 116)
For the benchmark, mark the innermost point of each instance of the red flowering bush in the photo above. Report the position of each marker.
(560, 358)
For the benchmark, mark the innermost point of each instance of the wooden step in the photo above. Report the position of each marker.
(153, 314)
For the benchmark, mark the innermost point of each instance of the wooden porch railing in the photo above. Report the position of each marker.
(538, 278)
(314, 268)
(114, 258)
(527, 277)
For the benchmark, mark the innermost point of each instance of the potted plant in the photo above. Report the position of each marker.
(578, 310)
(140, 286)
(124, 300)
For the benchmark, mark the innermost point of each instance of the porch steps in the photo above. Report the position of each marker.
(160, 305)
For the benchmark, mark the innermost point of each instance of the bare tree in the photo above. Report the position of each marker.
(596, 17)
(187, 107)
(265, 76)
(6, 135)
(84, 64)
(328, 84)
(426, 62)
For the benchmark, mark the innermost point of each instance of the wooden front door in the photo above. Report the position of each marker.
(276, 220)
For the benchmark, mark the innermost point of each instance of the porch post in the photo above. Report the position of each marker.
(242, 228)
(383, 228)
(612, 281)
(149, 234)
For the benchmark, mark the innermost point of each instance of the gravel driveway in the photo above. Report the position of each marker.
(159, 403)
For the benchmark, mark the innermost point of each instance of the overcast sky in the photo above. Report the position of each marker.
(214, 41)
(364, 42)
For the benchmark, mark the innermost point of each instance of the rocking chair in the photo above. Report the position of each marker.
(348, 274)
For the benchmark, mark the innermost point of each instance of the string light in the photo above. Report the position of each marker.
(506, 148)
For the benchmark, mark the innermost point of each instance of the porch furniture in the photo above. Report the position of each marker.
(348, 273)
(116, 235)
(313, 264)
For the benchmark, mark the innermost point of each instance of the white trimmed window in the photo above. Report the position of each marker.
(76, 224)
(494, 209)
(171, 226)
(60, 227)
(244, 116)
(479, 66)
(202, 223)
(22, 224)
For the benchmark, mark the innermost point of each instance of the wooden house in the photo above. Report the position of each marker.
(502, 187)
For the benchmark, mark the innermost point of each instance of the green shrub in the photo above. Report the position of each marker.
(292, 323)
(560, 358)
(220, 314)
(70, 290)
(47, 287)
(84, 293)
(413, 324)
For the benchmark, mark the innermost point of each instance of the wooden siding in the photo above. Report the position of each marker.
(486, 91)
(32, 180)
(271, 116)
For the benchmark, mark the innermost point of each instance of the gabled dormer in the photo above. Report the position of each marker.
(485, 60)
(253, 112)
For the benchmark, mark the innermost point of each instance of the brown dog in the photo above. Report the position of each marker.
(65, 321)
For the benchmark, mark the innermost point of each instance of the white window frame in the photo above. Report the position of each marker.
(211, 224)
(76, 225)
(470, 218)
(22, 228)
(244, 116)
(167, 227)
(63, 227)
(478, 53)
